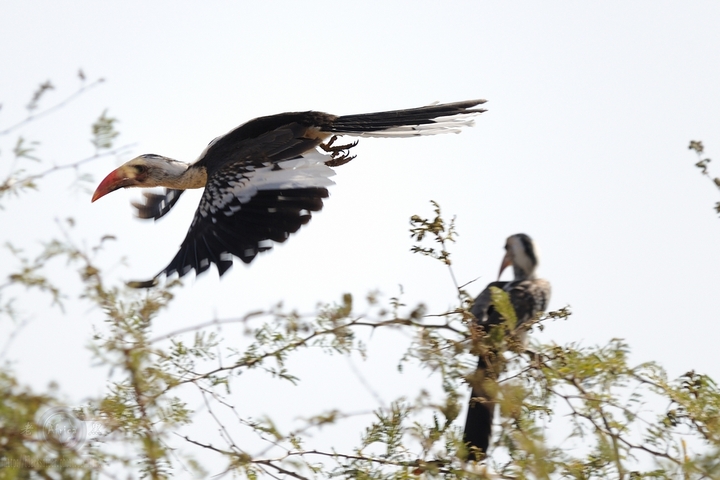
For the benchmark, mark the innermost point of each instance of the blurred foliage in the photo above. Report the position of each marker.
(21, 176)
(702, 163)
(610, 419)
(441, 233)
(104, 132)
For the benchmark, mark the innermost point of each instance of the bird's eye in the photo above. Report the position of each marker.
(140, 169)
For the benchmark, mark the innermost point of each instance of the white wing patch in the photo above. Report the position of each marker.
(304, 172)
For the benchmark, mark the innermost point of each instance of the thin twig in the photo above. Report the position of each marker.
(35, 116)
(209, 323)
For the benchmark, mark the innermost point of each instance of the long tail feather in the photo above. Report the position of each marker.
(428, 120)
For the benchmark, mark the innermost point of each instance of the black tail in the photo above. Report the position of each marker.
(478, 426)
(410, 122)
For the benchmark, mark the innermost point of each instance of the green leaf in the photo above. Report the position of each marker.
(501, 302)
(104, 132)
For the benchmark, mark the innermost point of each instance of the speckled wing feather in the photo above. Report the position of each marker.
(243, 227)
(528, 298)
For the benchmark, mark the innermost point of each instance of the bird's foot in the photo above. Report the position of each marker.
(340, 153)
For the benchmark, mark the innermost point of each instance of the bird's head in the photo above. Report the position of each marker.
(520, 253)
(147, 170)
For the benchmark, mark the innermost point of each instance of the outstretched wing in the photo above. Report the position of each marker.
(259, 190)
(246, 206)
(243, 211)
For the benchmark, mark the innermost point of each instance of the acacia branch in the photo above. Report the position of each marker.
(613, 436)
(210, 323)
(11, 182)
(604, 430)
(114, 151)
(301, 342)
(224, 432)
(49, 110)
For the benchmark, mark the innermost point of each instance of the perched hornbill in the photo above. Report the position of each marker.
(263, 179)
(529, 296)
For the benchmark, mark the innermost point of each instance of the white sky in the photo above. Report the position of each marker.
(584, 147)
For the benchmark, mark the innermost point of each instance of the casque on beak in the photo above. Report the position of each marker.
(116, 179)
(507, 261)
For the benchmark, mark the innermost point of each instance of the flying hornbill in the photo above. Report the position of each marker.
(529, 296)
(263, 179)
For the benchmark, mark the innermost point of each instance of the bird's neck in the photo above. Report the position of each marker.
(181, 176)
(521, 274)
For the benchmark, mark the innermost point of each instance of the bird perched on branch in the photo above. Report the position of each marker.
(529, 296)
(263, 179)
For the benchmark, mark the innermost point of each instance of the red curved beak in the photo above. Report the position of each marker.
(115, 180)
(507, 261)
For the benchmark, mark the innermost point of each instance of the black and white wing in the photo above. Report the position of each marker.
(528, 298)
(243, 211)
(255, 197)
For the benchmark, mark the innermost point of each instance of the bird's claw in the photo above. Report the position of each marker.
(340, 153)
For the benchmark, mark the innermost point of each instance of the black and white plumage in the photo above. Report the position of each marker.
(529, 297)
(264, 179)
